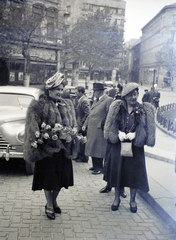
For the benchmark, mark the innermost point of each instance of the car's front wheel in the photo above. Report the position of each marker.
(30, 168)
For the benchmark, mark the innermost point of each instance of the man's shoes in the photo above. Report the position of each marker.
(96, 172)
(106, 189)
(123, 194)
(78, 160)
(91, 169)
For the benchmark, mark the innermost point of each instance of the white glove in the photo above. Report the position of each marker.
(131, 136)
(122, 136)
(83, 128)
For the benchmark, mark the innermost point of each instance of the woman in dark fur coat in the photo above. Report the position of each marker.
(48, 145)
(128, 127)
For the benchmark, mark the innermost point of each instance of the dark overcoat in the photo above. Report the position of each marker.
(128, 171)
(96, 143)
(83, 109)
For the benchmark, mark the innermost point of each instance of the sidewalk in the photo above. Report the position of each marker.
(160, 162)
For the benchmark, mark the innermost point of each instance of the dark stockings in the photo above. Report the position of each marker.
(51, 197)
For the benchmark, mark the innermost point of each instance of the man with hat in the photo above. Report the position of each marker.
(96, 143)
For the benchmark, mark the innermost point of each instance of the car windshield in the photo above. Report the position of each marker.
(15, 100)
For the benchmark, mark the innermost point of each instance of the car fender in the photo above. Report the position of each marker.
(10, 131)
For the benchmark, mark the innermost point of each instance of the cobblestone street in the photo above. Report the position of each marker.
(86, 213)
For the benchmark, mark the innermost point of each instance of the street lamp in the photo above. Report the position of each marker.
(154, 73)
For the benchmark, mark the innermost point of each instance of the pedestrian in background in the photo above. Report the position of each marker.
(96, 143)
(83, 109)
(112, 92)
(128, 127)
(156, 97)
(49, 151)
(146, 97)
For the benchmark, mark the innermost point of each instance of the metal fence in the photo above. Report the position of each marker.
(166, 122)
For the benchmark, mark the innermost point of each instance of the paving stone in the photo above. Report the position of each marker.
(86, 214)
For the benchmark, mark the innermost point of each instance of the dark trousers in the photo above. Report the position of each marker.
(81, 154)
(97, 163)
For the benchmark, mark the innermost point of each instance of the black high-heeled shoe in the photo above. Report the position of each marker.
(49, 213)
(133, 209)
(115, 207)
(57, 209)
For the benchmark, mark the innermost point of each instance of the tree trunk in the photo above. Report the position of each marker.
(75, 74)
(26, 81)
(87, 81)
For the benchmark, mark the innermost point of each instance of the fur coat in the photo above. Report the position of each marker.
(128, 171)
(145, 130)
(45, 111)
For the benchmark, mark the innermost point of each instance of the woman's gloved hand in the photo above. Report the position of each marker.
(131, 136)
(122, 136)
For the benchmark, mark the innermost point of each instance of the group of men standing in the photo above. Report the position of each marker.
(152, 96)
(91, 121)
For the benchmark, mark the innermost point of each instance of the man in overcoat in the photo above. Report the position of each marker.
(96, 143)
(83, 109)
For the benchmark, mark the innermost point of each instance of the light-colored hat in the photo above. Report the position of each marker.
(54, 81)
(129, 87)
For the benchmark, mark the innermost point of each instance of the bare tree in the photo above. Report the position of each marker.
(96, 41)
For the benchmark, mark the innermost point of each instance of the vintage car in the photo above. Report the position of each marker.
(14, 101)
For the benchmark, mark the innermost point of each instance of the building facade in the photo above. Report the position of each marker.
(45, 44)
(131, 60)
(158, 32)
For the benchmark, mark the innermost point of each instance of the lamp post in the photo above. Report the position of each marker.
(154, 73)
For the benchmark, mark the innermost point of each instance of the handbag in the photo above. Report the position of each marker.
(126, 149)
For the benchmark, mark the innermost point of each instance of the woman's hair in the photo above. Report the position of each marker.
(66, 94)
(119, 86)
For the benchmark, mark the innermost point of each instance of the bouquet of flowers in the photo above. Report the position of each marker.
(57, 133)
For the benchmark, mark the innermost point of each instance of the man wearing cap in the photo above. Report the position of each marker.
(96, 143)
(129, 126)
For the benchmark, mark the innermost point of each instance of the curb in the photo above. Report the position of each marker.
(159, 210)
(157, 157)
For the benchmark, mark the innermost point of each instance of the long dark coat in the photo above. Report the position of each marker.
(128, 171)
(83, 109)
(96, 143)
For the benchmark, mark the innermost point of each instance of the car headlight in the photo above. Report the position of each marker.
(20, 136)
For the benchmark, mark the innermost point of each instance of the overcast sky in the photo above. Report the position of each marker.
(139, 13)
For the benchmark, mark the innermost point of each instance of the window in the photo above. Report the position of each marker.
(172, 36)
(122, 22)
(123, 12)
(38, 11)
(52, 21)
(68, 9)
(87, 7)
(174, 20)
